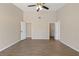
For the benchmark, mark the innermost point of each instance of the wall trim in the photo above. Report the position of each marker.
(70, 46)
(28, 38)
(39, 39)
(9, 45)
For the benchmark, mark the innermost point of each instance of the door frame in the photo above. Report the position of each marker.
(57, 30)
(50, 30)
(30, 37)
(22, 23)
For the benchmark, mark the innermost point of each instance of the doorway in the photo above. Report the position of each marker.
(23, 30)
(54, 30)
(51, 31)
(28, 31)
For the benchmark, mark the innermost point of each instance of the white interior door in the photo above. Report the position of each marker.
(23, 30)
(57, 30)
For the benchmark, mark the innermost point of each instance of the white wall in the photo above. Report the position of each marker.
(10, 17)
(40, 27)
(69, 18)
(33, 17)
(40, 30)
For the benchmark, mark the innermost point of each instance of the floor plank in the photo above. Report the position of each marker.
(39, 48)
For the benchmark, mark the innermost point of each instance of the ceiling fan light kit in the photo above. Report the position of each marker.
(40, 7)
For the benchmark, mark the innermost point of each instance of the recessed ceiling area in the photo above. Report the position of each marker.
(52, 6)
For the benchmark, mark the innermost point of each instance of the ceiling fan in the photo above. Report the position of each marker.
(39, 6)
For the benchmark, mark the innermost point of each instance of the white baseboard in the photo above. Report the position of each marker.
(40, 38)
(9, 45)
(70, 46)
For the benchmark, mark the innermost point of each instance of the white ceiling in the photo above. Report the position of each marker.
(52, 6)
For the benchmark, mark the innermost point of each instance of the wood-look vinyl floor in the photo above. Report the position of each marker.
(39, 48)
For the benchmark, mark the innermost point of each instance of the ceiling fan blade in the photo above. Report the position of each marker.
(38, 9)
(45, 7)
(31, 5)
